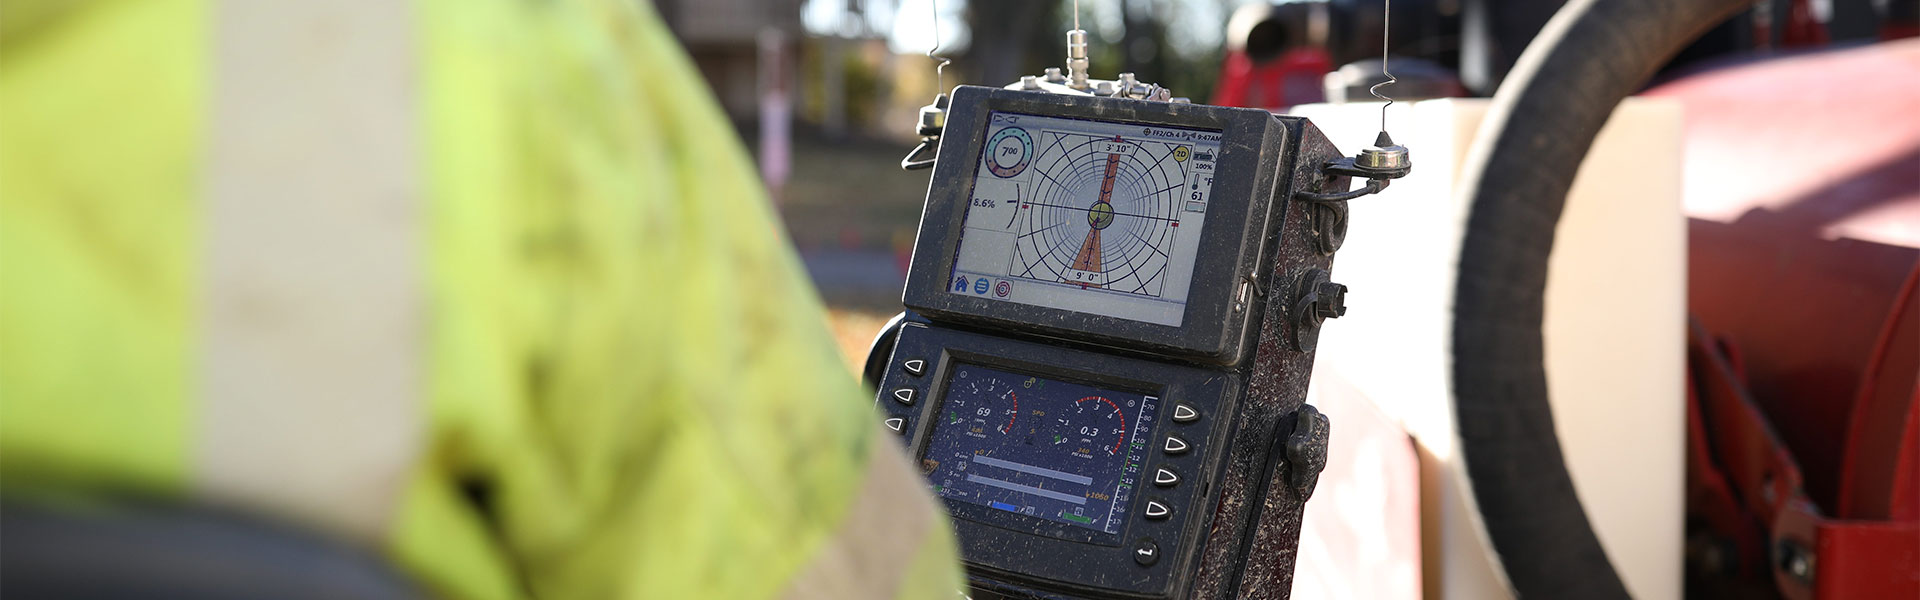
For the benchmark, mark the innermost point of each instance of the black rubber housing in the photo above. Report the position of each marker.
(1589, 56)
(880, 350)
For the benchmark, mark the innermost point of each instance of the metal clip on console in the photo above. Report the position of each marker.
(1379, 164)
(933, 119)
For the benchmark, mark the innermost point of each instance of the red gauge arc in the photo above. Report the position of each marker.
(1015, 416)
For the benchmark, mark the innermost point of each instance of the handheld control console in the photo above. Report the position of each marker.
(1113, 306)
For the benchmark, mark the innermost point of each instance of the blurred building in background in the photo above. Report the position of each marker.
(723, 36)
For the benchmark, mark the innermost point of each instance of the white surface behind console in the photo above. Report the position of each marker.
(1615, 318)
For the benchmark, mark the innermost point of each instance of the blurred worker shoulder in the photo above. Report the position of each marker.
(487, 289)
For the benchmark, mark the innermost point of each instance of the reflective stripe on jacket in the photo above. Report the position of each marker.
(488, 287)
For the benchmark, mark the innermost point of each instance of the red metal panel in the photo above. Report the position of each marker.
(1880, 440)
(1739, 473)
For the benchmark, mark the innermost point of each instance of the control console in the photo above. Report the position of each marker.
(1113, 304)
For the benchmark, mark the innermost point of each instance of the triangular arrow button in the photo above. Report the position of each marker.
(1156, 510)
(1165, 478)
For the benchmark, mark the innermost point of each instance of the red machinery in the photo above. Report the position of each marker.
(1803, 178)
(1803, 181)
(1276, 56)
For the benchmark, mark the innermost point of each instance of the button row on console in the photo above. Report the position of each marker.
(1165, 477)
(915, 367)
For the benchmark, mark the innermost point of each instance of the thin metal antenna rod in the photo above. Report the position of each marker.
(1384, 160)
(1077, 52)
(939, 71)
(1386, 22)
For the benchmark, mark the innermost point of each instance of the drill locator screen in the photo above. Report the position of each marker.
(1089, 216)
(1044, 448)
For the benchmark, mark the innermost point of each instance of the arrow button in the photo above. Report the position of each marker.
(1157, 510)
(1165, 477)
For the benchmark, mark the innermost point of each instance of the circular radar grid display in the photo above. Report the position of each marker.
(1104, 211)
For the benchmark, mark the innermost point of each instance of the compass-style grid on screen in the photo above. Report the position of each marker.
(1104, 213)
(1090, 216)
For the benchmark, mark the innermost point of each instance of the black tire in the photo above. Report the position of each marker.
(1589, 56)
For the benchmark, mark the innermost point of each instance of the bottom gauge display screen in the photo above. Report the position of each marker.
(1044, 448)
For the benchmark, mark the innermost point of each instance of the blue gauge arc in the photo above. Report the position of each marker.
(1011, 151)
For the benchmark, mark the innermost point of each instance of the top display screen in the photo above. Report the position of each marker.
(1094, 217)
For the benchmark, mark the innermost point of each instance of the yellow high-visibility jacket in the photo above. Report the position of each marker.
(486, 286)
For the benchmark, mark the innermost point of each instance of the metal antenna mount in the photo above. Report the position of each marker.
(1385, 160)
(1384, 154)
(1077, 80)
(1077, 59)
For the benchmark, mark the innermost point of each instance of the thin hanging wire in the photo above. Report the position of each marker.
(940, 70)
(1386, 22)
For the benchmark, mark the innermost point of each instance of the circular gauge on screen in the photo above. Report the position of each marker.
(1091, 426)
(1009, 152)
(989, 405)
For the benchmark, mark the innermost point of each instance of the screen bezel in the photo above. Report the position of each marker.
(961, 509)
(1212, 328)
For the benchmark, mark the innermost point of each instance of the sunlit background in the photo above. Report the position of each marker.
(826, 93)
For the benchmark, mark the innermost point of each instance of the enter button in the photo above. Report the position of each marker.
(1146, 552)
